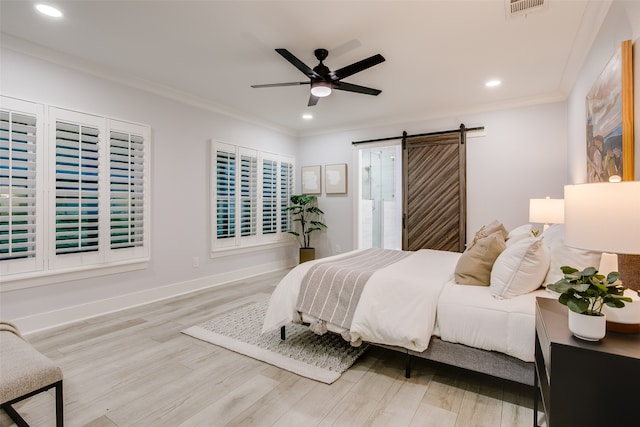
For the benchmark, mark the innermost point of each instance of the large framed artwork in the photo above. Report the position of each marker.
(311, 180)
(610, 120)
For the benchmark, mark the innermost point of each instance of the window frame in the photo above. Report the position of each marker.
(49, 267)
(259, 240)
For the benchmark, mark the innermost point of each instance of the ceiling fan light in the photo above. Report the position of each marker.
(320, 89)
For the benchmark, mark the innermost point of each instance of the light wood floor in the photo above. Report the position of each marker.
(135, 368)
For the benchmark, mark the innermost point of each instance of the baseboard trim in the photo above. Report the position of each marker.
(52, 319)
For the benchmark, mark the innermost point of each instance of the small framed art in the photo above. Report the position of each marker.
(335, 178)
(311, 180)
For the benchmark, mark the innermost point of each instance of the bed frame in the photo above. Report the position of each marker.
(474, 359)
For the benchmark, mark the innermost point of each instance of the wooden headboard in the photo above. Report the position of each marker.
(629, 267)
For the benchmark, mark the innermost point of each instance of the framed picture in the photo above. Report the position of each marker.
(311, 180)
(335, 178)
(610, 120)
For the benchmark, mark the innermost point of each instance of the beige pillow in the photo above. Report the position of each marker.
(494, 226)
(474, 266)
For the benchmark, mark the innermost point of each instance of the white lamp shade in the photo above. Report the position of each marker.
(603, 216)
(546, 211)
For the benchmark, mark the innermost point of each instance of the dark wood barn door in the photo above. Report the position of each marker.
(434, 174)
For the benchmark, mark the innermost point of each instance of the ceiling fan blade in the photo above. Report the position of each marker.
(297, 63)
(356, 67)
(313, 100)
(356, 88)
(282, 84)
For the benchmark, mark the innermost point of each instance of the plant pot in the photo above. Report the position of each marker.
(586, 327)
(307, 254)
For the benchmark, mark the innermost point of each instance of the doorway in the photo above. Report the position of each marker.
(379, 202)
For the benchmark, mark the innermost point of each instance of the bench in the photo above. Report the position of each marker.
(25, 372)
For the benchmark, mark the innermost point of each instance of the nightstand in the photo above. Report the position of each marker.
(584, 383)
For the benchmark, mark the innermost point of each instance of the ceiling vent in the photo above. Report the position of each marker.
(522, 7)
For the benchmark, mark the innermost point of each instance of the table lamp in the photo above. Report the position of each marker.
(546, 211)
(605, 217)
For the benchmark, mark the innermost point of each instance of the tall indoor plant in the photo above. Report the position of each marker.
(305, 211)
(585, 293)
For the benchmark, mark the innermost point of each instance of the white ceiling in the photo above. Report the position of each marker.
(438, 53)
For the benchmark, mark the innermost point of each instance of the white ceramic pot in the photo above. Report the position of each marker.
(590, 328)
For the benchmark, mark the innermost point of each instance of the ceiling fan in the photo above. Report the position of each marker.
(323, 80)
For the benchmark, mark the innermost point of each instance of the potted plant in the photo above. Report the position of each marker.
(305, 211)
(585, 293)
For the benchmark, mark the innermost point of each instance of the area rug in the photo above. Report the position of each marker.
(320, 357)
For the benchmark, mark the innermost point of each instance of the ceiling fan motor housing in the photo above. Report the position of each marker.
(321, 54)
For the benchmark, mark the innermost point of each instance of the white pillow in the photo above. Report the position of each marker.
(519, 233)
(561, 254)
(519, 269)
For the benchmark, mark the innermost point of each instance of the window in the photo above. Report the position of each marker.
(260, 185)
(94, 172)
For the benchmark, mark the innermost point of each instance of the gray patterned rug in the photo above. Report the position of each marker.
(322, 358)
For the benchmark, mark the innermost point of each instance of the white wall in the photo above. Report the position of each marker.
(179, 191)
(621, 23)
(522, 156)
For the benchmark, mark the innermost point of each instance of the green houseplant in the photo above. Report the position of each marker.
(305, 211)
(585, 293)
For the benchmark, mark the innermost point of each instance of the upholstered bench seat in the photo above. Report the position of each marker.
(24, 372)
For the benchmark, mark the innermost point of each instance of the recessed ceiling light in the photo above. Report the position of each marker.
(493, 83)
(307, 116)
(48, 10)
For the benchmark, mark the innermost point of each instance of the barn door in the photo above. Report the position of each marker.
(434, 199)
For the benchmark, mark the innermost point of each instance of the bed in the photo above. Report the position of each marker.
(474, 310)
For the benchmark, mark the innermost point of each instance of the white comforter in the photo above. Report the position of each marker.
(470, 315)
(400, 315)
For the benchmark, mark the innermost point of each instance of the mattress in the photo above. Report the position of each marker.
(470, 315)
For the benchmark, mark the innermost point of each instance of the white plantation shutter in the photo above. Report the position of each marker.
(225, 193)
(286, 191)
(18, 185)
(99, 168)
(76, 192)
(269, 196)
(127, 207)
(248, 194)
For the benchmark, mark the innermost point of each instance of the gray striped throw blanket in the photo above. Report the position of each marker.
(330, 290)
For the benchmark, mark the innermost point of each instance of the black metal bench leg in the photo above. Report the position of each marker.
(283, 333)
(15, 416)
